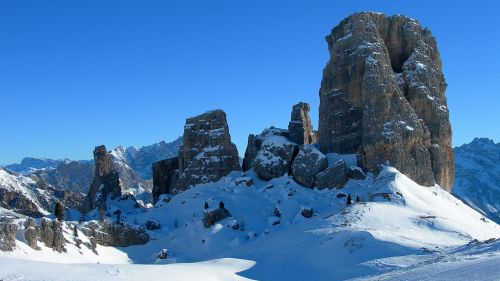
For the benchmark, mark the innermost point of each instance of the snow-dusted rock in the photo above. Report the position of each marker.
(8, 230)
(308, 163)
(212, 217)
(207, 153)
(356, 173)
(116, 234)
(275, 154)
(333, 177)
(383, 96)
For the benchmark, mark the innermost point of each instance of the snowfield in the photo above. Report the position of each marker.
(397, 231)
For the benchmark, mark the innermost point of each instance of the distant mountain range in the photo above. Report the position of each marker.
(133, 163)
(477, 176)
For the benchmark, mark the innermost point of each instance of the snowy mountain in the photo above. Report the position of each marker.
(396, 226)
(477, 177)
(30, 164)
(140, 159)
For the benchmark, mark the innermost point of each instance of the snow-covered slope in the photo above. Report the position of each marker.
(477, 176)
(397, 224)
(20, 194)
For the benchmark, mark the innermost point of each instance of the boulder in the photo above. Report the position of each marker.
(356, 173)
(300, 126)
(308, 163)
(212, 217)
(207, 153)
(334, 176)
(276, 154)
(383, 97)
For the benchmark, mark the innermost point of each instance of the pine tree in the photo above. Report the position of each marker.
(206, 205)
(75, 231)
(221, 205)
(59, 211)
(349, 200)
(358, 199)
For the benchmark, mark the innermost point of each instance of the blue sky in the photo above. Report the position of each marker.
(76, 74)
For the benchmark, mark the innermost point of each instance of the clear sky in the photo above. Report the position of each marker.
(76, 74)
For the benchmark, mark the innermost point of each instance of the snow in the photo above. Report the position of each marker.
(221, 269)
(399, 225)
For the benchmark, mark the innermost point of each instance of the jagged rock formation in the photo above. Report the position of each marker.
(8, 230)
(300, 126)
(383, 96)
(165, 173)
(51, 235)
(31, 233)
(106, 181)
(115, 234)
(29, 164)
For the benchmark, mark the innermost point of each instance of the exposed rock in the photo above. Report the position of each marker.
(308, 163)
(116, 234)
(356, 173)
(300, 126)
(19, 193)
(212, 217)
(333, 177)
(207, 153)
(152, 225)
(106, 181)
(307, 213)
(382, 95)
(248, 181)
(251, 151)
(51, 235)
(8, 230)
(31, 233)
(165, 174)
(275, 154)
(163, 254)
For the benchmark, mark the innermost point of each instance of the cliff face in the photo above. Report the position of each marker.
(383, 97)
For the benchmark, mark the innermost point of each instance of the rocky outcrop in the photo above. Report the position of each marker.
(308, 163)
(51, 235)
(300, 126)
(275, 154)
(115, 234)
(31, 233)
(212, 217)
(8, 230)
(106, 180)
(334, 176)
(207, 153)
(383, 96)
(165, 173)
